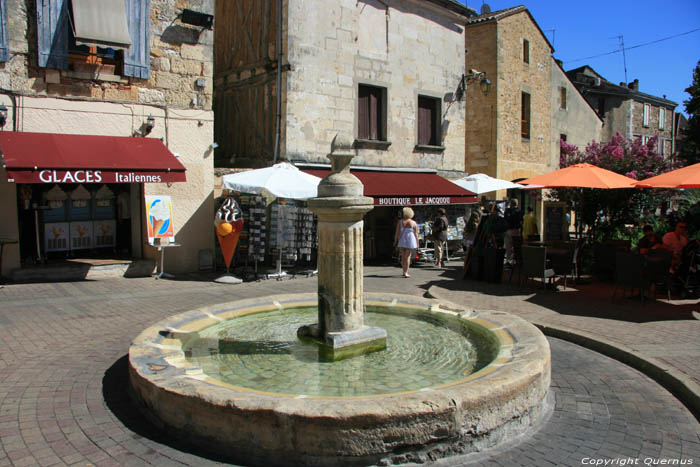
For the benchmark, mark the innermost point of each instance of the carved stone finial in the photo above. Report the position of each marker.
(341, 154)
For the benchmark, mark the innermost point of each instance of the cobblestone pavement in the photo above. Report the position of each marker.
(63, 369)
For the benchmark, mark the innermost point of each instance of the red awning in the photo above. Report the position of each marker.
(55, 158)
(389, 188)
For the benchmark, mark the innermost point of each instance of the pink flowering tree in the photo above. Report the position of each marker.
(607, 211)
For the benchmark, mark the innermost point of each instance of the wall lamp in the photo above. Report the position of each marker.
(146, 127)
(473, 76)
(3, 115)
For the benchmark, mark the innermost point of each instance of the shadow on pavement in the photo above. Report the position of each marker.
(116, 394)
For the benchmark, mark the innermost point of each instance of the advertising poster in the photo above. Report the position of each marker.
(159, 215)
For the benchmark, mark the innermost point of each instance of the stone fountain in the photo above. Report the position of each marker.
(340, 207)
(236, 380)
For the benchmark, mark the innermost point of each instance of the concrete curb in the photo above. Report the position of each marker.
(675, 381)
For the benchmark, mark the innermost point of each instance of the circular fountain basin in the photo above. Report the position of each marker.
(234, 379)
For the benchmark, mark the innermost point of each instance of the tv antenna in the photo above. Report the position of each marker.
(622, 48)
(553, 31)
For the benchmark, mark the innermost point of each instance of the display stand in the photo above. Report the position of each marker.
(162, 247)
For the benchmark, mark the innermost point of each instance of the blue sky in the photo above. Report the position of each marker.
(578, 30)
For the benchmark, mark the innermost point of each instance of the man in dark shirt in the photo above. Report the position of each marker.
(650, 241)
(514, 218)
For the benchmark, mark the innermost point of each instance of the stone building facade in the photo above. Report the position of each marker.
(400, 52)
(627, 110)
(573, 118)
(508, 131)
(52, 84)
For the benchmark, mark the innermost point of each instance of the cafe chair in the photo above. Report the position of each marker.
(561, 260)
(658, 266)
(535, 264)
(629, 272)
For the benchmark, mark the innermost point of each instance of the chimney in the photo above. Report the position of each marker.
(634, 85)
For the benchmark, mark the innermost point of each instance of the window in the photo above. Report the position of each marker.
(525, 115)
(429, 121)
(526, 51)
(371, 123)
(645, 116)
(562, 103)
(662, 118)
(65, 37)
(601, 106)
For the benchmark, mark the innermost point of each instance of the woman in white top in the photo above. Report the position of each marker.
(406, 238)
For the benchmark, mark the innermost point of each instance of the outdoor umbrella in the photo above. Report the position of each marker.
(582, 176)
(686, 177)
(282, 180)
(482, 183)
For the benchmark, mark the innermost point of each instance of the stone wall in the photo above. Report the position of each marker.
(410, 48)
(179, 55)
(493, 138)
(577, 119)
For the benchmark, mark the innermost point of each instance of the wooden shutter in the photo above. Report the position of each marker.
(363, 113)
(525, 116)
(4, 49)
(137, 58)
(52, 33)
(427, 121)
(375, 110)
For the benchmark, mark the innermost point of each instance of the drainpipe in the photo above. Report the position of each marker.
(279, 82)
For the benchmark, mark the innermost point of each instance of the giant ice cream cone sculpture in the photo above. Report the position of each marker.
(229, 224)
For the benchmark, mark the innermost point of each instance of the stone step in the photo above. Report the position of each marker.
(76, 270)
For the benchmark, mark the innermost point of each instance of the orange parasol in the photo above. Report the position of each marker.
(581, 176)
(686, 177)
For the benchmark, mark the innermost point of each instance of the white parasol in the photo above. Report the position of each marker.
(482, 183)
(282, 180)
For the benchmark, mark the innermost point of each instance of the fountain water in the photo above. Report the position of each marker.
(234, 378)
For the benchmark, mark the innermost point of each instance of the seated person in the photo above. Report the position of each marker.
(675, 241)
(650, 241)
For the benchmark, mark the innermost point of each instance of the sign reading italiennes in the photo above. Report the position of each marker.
(93, 176)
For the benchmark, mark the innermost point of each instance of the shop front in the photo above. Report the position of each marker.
(421, 189)
(80, 195)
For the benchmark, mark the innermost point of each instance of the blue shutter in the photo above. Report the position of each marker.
(137, 58)
(52, 33)
(4, 49)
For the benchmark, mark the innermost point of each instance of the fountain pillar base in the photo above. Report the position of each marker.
(335, 346)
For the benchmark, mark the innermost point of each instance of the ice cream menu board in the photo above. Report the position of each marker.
(159, 217)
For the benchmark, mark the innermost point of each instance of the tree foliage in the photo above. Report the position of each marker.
(690, 148)
(606, 212)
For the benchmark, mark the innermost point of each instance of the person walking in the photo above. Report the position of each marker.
(439, 233)
(406, 238)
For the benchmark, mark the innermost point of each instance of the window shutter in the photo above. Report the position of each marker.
(662, 118)
(4, 49)
(52, 33)
(363, 113)
(137, 58)
(374, 110)
(424, 121)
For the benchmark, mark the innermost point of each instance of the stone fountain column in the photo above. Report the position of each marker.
(340, 206)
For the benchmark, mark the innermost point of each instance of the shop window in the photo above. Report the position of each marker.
(87, 34)
(429, 121)
(525, 115)
(371, 125)
(4, 44)
(526, 51)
